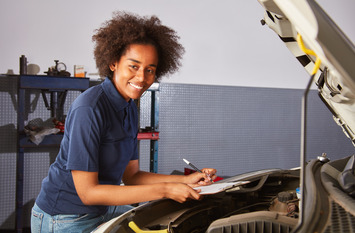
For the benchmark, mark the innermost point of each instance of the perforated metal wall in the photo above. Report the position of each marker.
(7, 152)
(240, 129)
(145, 121)
(234, 129)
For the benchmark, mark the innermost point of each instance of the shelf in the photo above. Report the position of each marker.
(54, 140)
(148, 136)
(52, 82)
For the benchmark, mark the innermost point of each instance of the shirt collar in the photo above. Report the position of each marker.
(114, 96)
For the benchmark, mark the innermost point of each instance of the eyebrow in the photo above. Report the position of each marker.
(140, 62)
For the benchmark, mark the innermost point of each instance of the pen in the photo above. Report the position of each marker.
(195, 168)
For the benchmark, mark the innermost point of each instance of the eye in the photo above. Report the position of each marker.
(133, 67)
(151, 71)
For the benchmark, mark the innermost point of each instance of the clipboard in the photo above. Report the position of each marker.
(219, 187)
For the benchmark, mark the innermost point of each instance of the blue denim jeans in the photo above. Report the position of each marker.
(41, 222)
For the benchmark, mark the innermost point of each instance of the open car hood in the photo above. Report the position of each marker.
(322, 39)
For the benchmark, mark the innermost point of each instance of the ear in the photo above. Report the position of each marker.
(112, 67)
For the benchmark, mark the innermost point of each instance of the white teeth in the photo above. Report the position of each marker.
(135, 86)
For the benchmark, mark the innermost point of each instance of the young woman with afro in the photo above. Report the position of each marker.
(99, 148)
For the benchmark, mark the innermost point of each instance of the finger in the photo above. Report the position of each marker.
(210, 171)
(211, 178)
(203, 177)
(204, 182)
(195, 194)
(194, 185)
(208, 178)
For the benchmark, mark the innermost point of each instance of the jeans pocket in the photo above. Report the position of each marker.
(70, 218)
(36, 221)
(77, 222)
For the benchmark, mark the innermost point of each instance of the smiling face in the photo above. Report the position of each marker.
(134, 73)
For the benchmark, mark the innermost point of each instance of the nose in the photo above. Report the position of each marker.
(140, 74)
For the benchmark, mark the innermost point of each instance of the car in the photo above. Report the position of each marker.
(316, 197)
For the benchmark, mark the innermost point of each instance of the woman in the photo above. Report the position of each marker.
(99, 147)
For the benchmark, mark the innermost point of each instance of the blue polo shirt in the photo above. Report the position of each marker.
(100, 136)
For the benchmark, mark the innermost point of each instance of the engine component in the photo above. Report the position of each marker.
(260, 222)
(285, 203)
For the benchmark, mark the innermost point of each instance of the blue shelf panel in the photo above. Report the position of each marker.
(52, 82)
(52, 140)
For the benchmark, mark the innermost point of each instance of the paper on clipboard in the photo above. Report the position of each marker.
(218, 187)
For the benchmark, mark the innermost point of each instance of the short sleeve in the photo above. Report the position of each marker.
(83, 133)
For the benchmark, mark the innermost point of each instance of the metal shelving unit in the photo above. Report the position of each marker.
(56, 86)
(154, 123)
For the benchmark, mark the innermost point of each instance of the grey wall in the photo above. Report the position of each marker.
(224, 40)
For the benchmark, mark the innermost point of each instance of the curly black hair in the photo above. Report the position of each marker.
(124, 29)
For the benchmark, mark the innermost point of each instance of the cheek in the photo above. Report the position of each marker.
(150, 80)
(123, 76)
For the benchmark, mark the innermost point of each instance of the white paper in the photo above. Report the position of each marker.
(218, 187)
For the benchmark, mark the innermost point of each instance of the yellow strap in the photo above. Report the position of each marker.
(136, 229)
(309, 52)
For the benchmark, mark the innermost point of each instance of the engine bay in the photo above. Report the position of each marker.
(269, 201)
